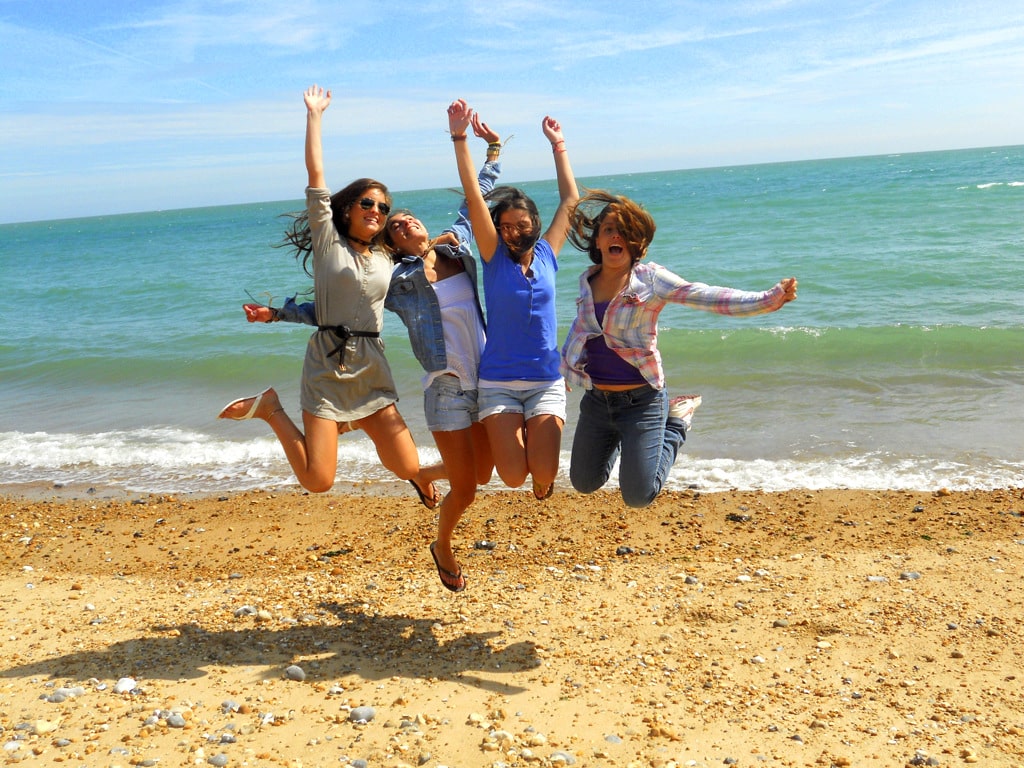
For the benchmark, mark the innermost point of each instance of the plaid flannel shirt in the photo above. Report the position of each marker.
(631, 321)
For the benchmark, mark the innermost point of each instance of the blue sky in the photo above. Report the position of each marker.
(115, 106)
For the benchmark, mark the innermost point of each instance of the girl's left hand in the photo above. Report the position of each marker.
(552, 129)
(789, 289)
(483, 131)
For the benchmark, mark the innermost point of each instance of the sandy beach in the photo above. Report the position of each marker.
(827, 628)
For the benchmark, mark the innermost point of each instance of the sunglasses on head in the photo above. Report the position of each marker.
(367, 203)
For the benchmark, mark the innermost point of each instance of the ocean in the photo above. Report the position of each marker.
(900, 365)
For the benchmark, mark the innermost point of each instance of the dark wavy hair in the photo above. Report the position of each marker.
(298, 237)
(635, 223)
(501, 199)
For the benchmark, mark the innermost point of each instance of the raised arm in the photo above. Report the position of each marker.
(568, 194)
(317, 100)
(462, 229)
(459, 119)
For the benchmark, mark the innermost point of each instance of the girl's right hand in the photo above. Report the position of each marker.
(317, 99)
(257, 313)
(459, 116)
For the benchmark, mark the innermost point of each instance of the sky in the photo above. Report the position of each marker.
(115, 106)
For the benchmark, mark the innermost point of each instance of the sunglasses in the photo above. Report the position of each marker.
(367, 203)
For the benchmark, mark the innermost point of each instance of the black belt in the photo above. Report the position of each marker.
(345, 333)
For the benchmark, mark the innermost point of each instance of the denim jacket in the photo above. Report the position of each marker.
(412, 297)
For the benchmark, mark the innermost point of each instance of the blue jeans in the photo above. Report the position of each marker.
(633, 427)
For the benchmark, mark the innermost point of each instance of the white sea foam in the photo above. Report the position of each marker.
(178, 461)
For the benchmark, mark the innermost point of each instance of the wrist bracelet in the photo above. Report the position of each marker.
(458, 138)
(494, 145)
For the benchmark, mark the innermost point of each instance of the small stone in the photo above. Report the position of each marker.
(362, 714)
(295, 672)
(909, 576)
(125, 685)
(40, 727)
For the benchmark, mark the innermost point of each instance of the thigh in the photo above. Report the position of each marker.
(595, 445)
(643, 436)
(483, 459)
(543, 446)
(457, 452)
(321, 442)
(393, 440)
(506, 434)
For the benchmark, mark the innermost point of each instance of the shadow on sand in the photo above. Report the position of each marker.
(369, 647)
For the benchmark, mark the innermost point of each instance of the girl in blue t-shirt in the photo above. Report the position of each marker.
(522, 393)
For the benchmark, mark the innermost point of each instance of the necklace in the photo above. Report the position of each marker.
(358, 240)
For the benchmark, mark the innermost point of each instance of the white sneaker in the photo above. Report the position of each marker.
(682, 408)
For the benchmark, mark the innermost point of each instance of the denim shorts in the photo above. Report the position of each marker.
(448, 407)
(542, 400)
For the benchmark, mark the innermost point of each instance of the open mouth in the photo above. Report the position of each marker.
(616, 250)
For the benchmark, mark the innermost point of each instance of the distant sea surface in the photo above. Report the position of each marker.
(900, 366)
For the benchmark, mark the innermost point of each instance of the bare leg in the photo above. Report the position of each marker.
(457, 451)
(543, 445)
(506, 435)
(482, 454)
(396, 447)
(313, 456)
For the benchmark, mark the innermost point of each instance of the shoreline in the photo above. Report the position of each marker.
(773, 629)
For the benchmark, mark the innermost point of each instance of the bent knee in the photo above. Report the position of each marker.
(638, 502)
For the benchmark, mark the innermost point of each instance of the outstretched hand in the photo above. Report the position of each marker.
(482, 130)
(789, 289)
(317, 99)
(257, 313)
(552, 129)
(459, 116)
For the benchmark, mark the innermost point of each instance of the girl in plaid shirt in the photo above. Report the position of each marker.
(612, 349)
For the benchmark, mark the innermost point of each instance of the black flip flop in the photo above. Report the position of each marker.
(424, 499)
(442, 572)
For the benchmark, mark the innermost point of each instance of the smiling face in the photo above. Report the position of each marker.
(406, 234)
(365, 222)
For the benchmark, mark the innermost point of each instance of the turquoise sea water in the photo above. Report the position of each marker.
(901, 365)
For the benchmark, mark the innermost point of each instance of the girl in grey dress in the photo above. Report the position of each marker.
(346, 380)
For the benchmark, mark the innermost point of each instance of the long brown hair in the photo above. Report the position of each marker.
(635, 223)
(298, 236)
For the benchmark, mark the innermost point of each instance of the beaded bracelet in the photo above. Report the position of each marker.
(458, 138)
